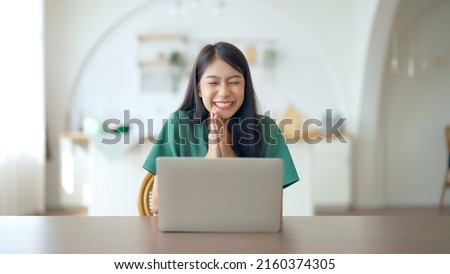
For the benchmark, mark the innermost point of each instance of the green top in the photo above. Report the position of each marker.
(179, 139)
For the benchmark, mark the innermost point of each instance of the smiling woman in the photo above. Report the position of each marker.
(218, 117)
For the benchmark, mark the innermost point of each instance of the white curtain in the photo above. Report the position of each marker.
(22, 116)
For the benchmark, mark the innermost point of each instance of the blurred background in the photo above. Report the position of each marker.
(67, 66)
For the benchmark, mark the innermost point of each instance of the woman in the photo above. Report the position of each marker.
(218, 117)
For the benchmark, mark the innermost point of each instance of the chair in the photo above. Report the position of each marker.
(447, 172)
(145, 194)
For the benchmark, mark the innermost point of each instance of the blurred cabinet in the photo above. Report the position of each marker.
(324, 170)
(297, 198)
(74, 173)
(115, 180)
(330, 180)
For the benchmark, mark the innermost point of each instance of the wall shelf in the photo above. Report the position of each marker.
(162, 61)
(161, 37)
(153, 63)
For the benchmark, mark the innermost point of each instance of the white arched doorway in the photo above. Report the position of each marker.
(415, 105)
(399, 154)
(367, 157)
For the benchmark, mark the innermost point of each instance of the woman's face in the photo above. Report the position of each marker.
(222, 89)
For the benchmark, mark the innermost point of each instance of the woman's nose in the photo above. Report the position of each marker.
(224, 90)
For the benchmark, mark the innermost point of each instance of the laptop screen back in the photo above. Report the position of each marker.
(220, 195)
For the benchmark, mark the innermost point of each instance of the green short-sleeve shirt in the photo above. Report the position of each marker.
(180, 138)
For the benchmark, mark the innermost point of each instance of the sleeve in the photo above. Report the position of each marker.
(275, 147)
(165, 145)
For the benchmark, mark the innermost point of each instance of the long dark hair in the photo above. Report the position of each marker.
(245, 126)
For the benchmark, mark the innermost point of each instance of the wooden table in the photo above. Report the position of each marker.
(362, 234)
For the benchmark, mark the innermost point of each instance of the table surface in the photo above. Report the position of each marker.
(311, 235)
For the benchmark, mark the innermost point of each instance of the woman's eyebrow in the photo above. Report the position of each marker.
(235, 76)
(230, 77)
(212, 76)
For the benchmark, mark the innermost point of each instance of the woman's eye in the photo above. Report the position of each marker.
(212, 83)
(234, 83)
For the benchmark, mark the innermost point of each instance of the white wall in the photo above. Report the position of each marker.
(22, 141)
(303, 76)
(367, 155)
(417, 110)
(364, 19)
(331, 24)
(71, 29)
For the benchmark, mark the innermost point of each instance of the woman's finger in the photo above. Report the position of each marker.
(213, 138)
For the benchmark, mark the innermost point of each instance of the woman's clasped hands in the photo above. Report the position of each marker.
(219, 138)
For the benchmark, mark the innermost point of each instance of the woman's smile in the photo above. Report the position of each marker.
(223, 105)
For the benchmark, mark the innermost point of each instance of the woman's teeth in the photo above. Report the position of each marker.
(223, 104)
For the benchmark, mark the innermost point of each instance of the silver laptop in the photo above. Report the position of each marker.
(220, 195)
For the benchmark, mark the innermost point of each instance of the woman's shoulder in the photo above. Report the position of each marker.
(266, 120)
(178, 114)
(181, 114)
